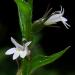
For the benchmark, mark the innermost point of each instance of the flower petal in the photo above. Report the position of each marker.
(53, 19)
(63, 19)
(55, 16)
(23, 53)
(15, 43)
(66, 24)
(10, 51)
(16, 55)
(59, 12)
(28, 43)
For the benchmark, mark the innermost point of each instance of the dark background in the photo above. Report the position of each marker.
(53, 39)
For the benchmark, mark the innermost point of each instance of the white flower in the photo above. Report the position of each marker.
(57, 16)
(18, 50)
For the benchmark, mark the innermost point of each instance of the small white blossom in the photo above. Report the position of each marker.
(18, 50)
(57, 16)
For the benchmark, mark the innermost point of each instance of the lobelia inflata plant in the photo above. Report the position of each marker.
(29, 31)
(18, 50)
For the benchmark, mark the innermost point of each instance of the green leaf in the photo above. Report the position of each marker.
(40, 61)
(25, 18)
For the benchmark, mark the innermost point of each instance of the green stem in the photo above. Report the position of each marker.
(19, 72)
(25, 20)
